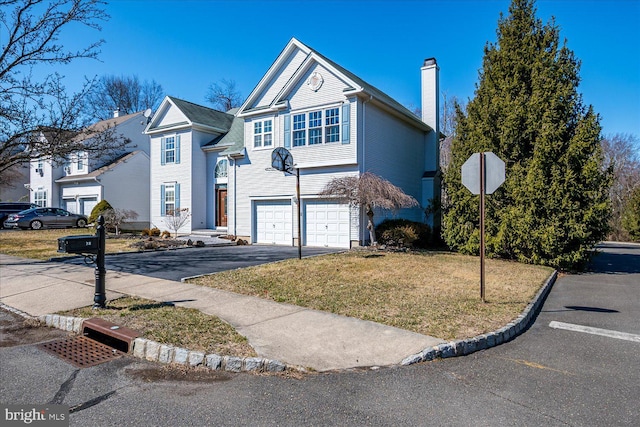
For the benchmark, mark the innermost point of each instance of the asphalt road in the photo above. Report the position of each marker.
(546, 376)
(181, 263)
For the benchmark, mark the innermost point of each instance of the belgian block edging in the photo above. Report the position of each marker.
(156, 352)
(490, 339)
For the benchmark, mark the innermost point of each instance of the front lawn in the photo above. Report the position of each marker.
(43, 244)
(431, 293)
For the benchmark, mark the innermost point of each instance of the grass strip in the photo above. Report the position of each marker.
(178, 326)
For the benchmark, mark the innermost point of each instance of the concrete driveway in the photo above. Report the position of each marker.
(180, 263)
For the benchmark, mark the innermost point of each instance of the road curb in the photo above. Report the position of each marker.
(163, 353)
(157, 352)
(488, 340)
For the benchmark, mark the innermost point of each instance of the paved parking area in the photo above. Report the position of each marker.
(180, 263)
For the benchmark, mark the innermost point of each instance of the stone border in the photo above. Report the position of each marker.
(488, 340)
(156, 352)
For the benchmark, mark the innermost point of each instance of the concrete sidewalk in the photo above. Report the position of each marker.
(291, 334)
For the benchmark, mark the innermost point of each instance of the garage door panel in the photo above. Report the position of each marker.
(327, 224)
(273, 222)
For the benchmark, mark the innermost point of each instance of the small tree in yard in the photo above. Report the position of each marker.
(369, 191)
(176, 219)
(113, 218)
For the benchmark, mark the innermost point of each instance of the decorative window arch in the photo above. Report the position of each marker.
(222, 168)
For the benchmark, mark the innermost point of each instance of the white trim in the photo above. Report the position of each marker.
(326, 163)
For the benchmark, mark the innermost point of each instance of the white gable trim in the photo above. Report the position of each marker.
(289, 49)
(309, 62)
(166, 104)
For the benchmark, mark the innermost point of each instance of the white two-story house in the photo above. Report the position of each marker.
(332, 122)
(82, 181)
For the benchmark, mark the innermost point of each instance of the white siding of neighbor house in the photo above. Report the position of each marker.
(16, 190)
(50, 173)
(73, 195)
(279, 79)
(135, 196)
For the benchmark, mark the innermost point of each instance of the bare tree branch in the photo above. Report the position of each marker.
(126, 94)
(369, 191)
(224, 96)
(31, 108)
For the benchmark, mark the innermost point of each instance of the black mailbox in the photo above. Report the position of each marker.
(78, 244)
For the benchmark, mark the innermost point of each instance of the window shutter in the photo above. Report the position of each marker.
(163, 207)
(177, 193)
(346, 117)
(162, 148)
(287, 131)
(177, 149)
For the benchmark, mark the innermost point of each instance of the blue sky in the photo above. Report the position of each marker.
(187, 45)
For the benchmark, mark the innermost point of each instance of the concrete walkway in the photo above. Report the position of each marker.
(291, 334)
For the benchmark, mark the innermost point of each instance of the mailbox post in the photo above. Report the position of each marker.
(90, 245)
(100, 297)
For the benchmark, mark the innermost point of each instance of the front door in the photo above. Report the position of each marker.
(221, 207)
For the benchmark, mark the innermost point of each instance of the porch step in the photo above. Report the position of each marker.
(209, 233)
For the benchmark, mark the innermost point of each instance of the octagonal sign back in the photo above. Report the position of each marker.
(494, 172)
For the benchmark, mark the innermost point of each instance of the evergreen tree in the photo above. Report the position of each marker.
(553, 206)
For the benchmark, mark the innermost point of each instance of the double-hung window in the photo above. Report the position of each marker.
(169, 199)
(40, 198)
(316, 127)
(263, 133)
(170, 149)
(80, 161)
(299, 130)
(332, 125)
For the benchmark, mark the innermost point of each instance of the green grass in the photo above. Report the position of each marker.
(167, 324)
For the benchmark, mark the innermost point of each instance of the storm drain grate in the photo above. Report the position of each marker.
(81, 351)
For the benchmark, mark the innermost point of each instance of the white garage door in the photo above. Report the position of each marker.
(70, 205)
(87, 204)
(273, 223)
(327, 224)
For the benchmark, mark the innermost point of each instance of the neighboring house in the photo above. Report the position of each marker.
(333, 123)
(81, 182)
(14, 183)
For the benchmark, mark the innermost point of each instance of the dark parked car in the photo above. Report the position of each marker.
(37, 218)
(7, 208)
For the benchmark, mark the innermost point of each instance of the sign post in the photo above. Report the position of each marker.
(482, 174)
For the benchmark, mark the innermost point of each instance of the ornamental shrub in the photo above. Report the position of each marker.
(404, 233)
(98, 210)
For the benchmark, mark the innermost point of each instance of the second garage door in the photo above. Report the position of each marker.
(273, 222)
(327, 224)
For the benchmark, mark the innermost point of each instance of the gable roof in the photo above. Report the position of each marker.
(105, 168)
(196, 115)
(103, 125)
(232, 142)
(358, 85)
